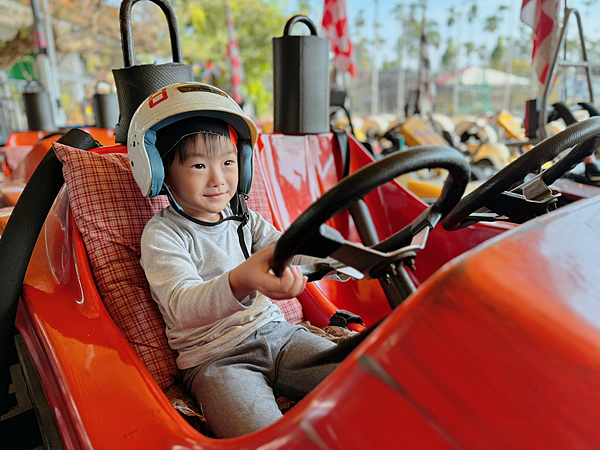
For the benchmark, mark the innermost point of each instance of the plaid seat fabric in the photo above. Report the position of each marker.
(110, 214)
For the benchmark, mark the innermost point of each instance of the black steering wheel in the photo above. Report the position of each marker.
(309, 236)
(493, 201)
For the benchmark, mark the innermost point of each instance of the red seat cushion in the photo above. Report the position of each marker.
(110, 214)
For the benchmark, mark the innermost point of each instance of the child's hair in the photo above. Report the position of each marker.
(187, 147)
(180, 140)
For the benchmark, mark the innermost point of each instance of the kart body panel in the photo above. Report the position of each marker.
(20, 143)
(17, 145)
(500, 348)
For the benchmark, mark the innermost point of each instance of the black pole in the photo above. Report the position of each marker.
(39, 34)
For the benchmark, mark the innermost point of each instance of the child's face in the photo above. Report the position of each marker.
(203, 186)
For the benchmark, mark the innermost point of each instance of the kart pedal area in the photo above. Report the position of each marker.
(29, 424)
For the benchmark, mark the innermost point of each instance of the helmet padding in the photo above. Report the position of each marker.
(168, 137)
(172, 104)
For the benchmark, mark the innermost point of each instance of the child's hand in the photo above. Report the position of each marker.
(256, 274)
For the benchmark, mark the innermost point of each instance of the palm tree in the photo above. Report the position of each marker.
(497, 58)
(360, 41)
(469, 48)
(400, 12)
(493, 22)
(471, 16)
(455, 87)
(449, 56)
(374, 68)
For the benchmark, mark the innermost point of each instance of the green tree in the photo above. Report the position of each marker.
(521, 49)
(414, 22)
(482, 52)
(204, 38)
(433, 34)
(469, 46)
(449, 56)
(492, 25)
(451, 18)
(360, 42)
(472, 14)
(498, 56)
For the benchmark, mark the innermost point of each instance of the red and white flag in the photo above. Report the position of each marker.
(335, 26)
(234, 60)
(542, 16)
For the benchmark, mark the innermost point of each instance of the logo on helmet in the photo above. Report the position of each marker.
(155, 100)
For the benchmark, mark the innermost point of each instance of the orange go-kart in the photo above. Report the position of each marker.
(20, 143)
(497, 348)
(24, 150)
(479, 335)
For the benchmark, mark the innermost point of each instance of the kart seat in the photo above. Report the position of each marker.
(110, 214)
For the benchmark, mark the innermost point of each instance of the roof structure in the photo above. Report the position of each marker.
(474, 75)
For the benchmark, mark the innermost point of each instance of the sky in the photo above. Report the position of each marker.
(438, 11)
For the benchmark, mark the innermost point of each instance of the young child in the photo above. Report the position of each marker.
(207, 258)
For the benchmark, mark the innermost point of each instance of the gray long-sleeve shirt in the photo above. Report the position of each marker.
(187, 266)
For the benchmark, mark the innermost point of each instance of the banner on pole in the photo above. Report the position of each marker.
(335, 26)
(542, 17)
(234, 60)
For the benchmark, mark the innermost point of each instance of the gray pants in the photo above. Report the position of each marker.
(236, 390)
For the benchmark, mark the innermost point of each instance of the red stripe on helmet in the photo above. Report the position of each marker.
(232, 135)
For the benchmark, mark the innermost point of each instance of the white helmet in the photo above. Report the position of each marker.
(178, 102)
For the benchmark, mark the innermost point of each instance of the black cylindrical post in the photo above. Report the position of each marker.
(301, 81)
(37, 107)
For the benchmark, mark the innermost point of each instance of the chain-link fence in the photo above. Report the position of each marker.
(477, 99)
(12, 111)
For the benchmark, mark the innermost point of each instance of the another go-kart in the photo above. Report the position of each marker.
(20, 143)
(581, 182)
(12, 186)
(22, 159)
(506, 196)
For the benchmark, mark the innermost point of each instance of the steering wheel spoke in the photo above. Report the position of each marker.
(370, 261)
(519, 208)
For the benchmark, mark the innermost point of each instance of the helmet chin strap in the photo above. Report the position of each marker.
(238, 207)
